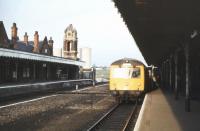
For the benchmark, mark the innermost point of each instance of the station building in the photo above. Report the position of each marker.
(30, 61)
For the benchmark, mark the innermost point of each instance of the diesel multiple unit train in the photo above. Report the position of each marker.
(129, 78)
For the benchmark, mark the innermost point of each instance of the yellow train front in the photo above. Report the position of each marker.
(127, 78)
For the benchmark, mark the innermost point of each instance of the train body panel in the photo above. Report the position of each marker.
(128, 83)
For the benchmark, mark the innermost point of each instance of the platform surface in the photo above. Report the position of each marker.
(161, 112)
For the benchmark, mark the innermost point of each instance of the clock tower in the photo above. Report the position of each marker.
(70, 43)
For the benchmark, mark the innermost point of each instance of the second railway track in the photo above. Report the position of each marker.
(119, 118)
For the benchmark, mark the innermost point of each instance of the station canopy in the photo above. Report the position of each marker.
(7, 53)
(159, 26)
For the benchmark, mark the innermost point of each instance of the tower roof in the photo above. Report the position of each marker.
(71, 28)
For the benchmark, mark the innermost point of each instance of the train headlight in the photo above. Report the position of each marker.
(138, 84)
(125, 87)
(115, 93)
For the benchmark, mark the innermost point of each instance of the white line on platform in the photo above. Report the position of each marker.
(88, 88)
(28, 101)
(82, 89)
(101, 85)
(141, 114)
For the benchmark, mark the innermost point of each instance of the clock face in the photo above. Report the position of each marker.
(69, 34)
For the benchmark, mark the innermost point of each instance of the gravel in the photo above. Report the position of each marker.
(62, 112)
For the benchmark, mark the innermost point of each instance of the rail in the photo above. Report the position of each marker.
(130, 116)
(94, 126)
(122, 114)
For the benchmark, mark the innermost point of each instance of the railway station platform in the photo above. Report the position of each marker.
(161, 112)
(11, 91)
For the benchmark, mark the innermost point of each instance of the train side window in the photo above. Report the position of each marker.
(136, 73)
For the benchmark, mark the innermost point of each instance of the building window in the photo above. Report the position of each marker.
(44, 65)
(28, 73)
(24, 72)
(65, 46)
(14, 74)
(45, 50)
(68, 46)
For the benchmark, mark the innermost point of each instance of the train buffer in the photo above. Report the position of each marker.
(160, 112)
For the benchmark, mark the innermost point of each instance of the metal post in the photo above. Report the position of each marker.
(34, 73)
(170, 72)
(187, 79)
(67, 68)
(176, 76)
(1, 71)
(167, 74)
(16, 70)
(77, 72)
(164, 71)
(162, 74)
(47, 71)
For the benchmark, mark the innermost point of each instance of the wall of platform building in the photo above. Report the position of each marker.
(14, 70)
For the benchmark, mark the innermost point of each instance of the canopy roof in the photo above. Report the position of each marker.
(159, 26)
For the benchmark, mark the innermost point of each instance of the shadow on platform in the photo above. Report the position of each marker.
(188, 121)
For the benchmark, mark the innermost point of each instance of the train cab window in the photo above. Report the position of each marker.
(135, 73)
(120, 73)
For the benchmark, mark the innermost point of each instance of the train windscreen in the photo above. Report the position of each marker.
(126, 73)
(135, 72)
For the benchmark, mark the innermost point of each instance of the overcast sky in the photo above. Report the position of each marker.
(98, 23)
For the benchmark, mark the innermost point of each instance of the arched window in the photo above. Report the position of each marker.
(68, 46)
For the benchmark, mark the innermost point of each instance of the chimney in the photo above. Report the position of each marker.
(51, 46)
(51, 42)
(36, 42)
(14, 31)
(14, 35)
(26, 38)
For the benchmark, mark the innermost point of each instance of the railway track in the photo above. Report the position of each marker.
(119, 118)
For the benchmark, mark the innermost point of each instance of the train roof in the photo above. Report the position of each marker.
(133, 62)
